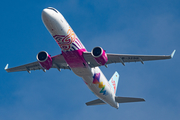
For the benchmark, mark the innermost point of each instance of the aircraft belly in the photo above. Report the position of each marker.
(99, 85)
(109, 98)
(83, 72)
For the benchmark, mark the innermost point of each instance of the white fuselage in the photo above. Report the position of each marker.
(72, 50)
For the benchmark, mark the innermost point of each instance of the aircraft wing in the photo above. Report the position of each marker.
(58, 62)
(122, 58)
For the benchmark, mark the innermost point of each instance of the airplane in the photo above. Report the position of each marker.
(84, 64)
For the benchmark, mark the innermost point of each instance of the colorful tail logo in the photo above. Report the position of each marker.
(114, 85)
(114, 81)
(96, 81)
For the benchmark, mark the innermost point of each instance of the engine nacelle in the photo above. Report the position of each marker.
(44, 60)
(99, 55)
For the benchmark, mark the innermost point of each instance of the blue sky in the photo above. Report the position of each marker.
(126, 27)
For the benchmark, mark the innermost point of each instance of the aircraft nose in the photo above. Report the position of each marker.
(45, 13)
(49, 13)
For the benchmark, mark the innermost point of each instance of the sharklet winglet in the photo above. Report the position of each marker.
(172, 54)
(6, 67)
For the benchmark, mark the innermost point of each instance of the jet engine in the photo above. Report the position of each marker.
(44, 60)
(99, 55)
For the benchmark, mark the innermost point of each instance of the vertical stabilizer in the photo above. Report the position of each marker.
(114, 81)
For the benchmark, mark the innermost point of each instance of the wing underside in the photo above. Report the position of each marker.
(58, 62)
(124, 58)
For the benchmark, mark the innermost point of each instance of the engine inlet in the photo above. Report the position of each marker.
(42, 56)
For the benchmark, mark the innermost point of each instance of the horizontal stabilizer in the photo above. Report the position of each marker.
(95, 102)
(128, 99)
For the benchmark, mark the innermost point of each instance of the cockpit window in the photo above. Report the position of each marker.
(52, 9)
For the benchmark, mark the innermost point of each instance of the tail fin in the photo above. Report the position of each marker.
(114, 81)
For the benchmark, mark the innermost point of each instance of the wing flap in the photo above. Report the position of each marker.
(59, 62)
(128, 99)
(95, 102)
(90, 60)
